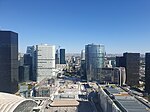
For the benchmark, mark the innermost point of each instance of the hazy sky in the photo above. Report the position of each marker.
(120, 25)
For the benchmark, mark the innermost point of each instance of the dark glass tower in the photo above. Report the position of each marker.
(8, 61)
(57, 57)
(31, 50)
(120, 61)
(28, 62)
(62, 56)
(147, 73)
(131, 62)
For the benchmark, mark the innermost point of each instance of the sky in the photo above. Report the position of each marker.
(120, 25)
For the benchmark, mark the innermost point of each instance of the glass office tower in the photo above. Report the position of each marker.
(94, 59)
(62, 56)
(131, 62)
(147, 73)
(8, 61)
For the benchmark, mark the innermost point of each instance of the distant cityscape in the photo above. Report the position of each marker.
(47, 79)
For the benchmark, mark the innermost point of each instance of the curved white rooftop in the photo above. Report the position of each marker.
(9, 102)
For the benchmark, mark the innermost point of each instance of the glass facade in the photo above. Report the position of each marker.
(62, 56)
(147, 72)
(8, 61)
(31, 50)
(131, 62)
(94, 58)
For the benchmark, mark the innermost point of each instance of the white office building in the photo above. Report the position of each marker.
(45, 61)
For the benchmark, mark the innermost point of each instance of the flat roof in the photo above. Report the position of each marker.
(125, 101)
(64, 103)
(131, 104)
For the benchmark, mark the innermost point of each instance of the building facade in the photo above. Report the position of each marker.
(24, 73)
(147, 73)
(31, 50)
(82, 66)
(28, 62)
(120, 61)
(62, 56)
(94, 59)
(115, 75)
(131, 62)
(57, 61)
(20, 59)
(83, 70)
(83, 55)
(45, 61)
(8, 61)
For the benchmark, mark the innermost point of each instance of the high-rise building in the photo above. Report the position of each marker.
(8, 61)
(57, 57)
(62, 56)
(28, 62)
(31, 50)
(20, 59)
(131, 62)
(83, 55)
(27, 59)
(83, 70)
(45, 61)
(120, 61)
(21, 73)
(147, 73)
(83, 67)
(24, 73)
(94, 59)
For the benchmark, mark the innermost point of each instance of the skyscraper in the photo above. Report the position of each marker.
(62, 56)
(147, 73)
(94, 59)
(20, 59)
(24, 73)
(8, 61)
(45, 61)
(57, 57)
(131, 62)
(83, 55)
(120, 61)
(83, 67)
(28, 62)
(31, 50)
